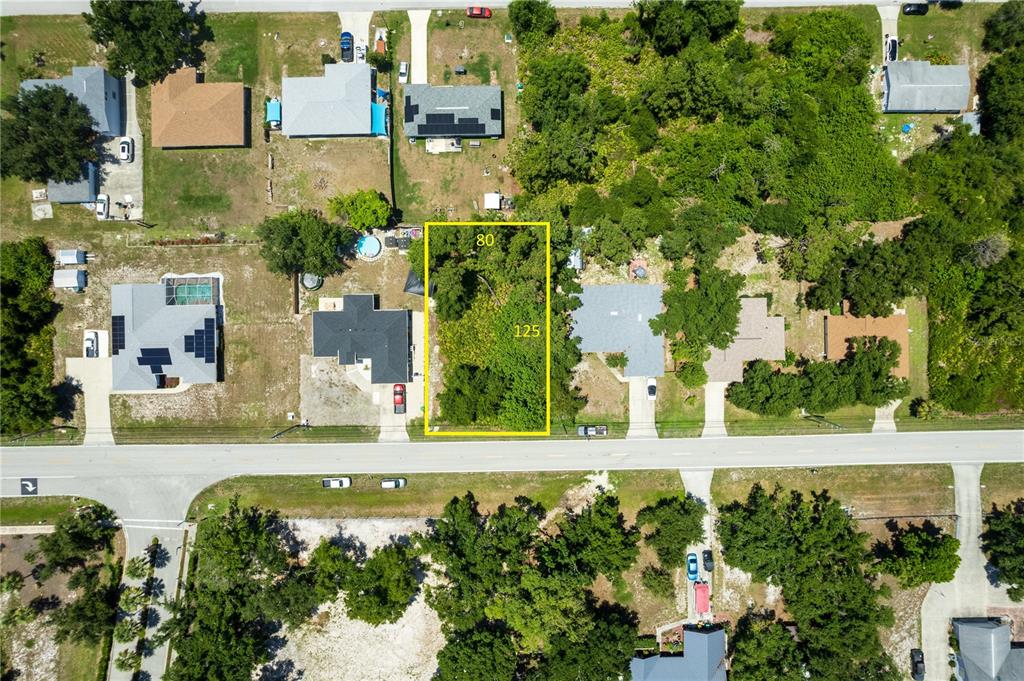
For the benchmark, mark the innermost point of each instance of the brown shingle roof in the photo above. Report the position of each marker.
(840, 329)
(191, 114)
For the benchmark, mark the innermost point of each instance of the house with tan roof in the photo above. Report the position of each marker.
(187, 112)
(839, 329)
(758, 336)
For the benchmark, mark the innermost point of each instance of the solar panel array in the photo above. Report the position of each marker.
(202, 342)
(154, 358)
(410, 109)
(448, 125)
(117, 331)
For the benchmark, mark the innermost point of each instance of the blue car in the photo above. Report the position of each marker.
(691, 567)
(347, 47)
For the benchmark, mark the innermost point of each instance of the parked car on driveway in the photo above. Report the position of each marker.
(92, 344)
(126, 149)
(709, 560)
(403, 72)
(477, 12)
(102, 207)
(917, 664)
(692, 569)
(918, 8)
(592, 431)
(336, 483)
(399, 394)
(347, 47)
(392, 483)
(892, 46)
(652, 389)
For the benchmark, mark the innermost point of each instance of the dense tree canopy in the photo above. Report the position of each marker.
(480, 652)
(1001, 87)
(918, 554)
(1003, 543)
(532, 20)
(302, 241)
(48, 135)
(362, 210)
(763, 650)
(707, 314)
(1004, 29)
(677, 522)
(27, 398)
(383, 587)
(147, 39)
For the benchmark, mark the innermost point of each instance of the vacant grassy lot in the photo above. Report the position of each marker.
(453, 184)
(36, 510)
(949, 36)
(1001, 484)
(200, 190)
(871, 491)
(302, 496)
(856, 419)
(679, 411)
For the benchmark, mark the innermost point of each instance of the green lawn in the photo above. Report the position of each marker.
(917, 311)
(871, 490)
(636, 489)
(1001, 483)
(679, 412)
(79, 662)
(426, 494)
(856, 419)
(175, 432)
(956, 34)
(36, 510)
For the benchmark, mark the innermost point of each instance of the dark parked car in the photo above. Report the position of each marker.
(917, 664)
(891, 49)
(918, 8)
(709, 560)
(347, 47)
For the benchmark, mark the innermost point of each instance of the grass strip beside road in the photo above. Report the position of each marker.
(185, 434)
(1001, 483)
(36, 510)
(303, 496)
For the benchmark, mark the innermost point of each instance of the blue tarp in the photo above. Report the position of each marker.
(378, 120)
(382, 93)
(274, 111)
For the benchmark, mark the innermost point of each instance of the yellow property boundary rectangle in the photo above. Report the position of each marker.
(426, 333)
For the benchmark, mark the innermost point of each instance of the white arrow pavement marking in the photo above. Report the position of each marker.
(40, 477)
(29, 487)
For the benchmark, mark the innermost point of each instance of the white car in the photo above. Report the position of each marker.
(361, 52)
(652, 389)
(336, 483)
(126, 149)
(102, 207)
(392, 483)
(403, 72)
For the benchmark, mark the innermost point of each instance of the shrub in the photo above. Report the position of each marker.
(658, 581)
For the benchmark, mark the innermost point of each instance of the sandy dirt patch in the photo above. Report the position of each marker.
(329, 395)
(368, 533)
(906, 607)
(606, 395)
(33, 651)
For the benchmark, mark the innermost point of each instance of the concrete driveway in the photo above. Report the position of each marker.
(120, 179)
(714, 409)
(358, 24)
(641, 410)
(698, 485)
(885, 418)
(94, 377)
(419, 19)
(890, 15)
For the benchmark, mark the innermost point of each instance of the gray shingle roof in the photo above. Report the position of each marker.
(101, 93)
(150, 325)
(758, 337)
(985, 651)
(82, 190)
(453, 111)
(702, 660)
(912, 86)
(332, 105)
(360, 332)
(616, 318)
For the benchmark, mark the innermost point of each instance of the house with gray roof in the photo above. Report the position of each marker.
(757, 337)
(336, 104)
(82, 190)
(102, 94)
(616, 318)
(703, 659)
(164, 335)
(986, 653)
(923, 87)
(453, 111)
(361, 333)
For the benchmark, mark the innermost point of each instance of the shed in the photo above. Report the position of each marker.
(82, 190)
(70, 256)
(274, 113)
(576, 259)
(70, 280)
(492, 201)
(922, 87)
(378, 120)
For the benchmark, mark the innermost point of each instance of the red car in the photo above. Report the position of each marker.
(399, 398)
(478, 12)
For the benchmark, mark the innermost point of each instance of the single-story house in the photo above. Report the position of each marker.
(985, 651)
(616, 318)
(703, 659)
(923, 87)
(101, 93)
(339, 103)
(165, 334)
(839, 329)
(454, 111)
(361, 333)
(187, 112)
(82, 190)
(758, 337)
(69, 280)
(70, 256)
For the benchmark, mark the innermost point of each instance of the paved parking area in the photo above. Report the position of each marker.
(641, 410)
(120, 179)
(419, 18)
(94, 377)
(714, 409)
